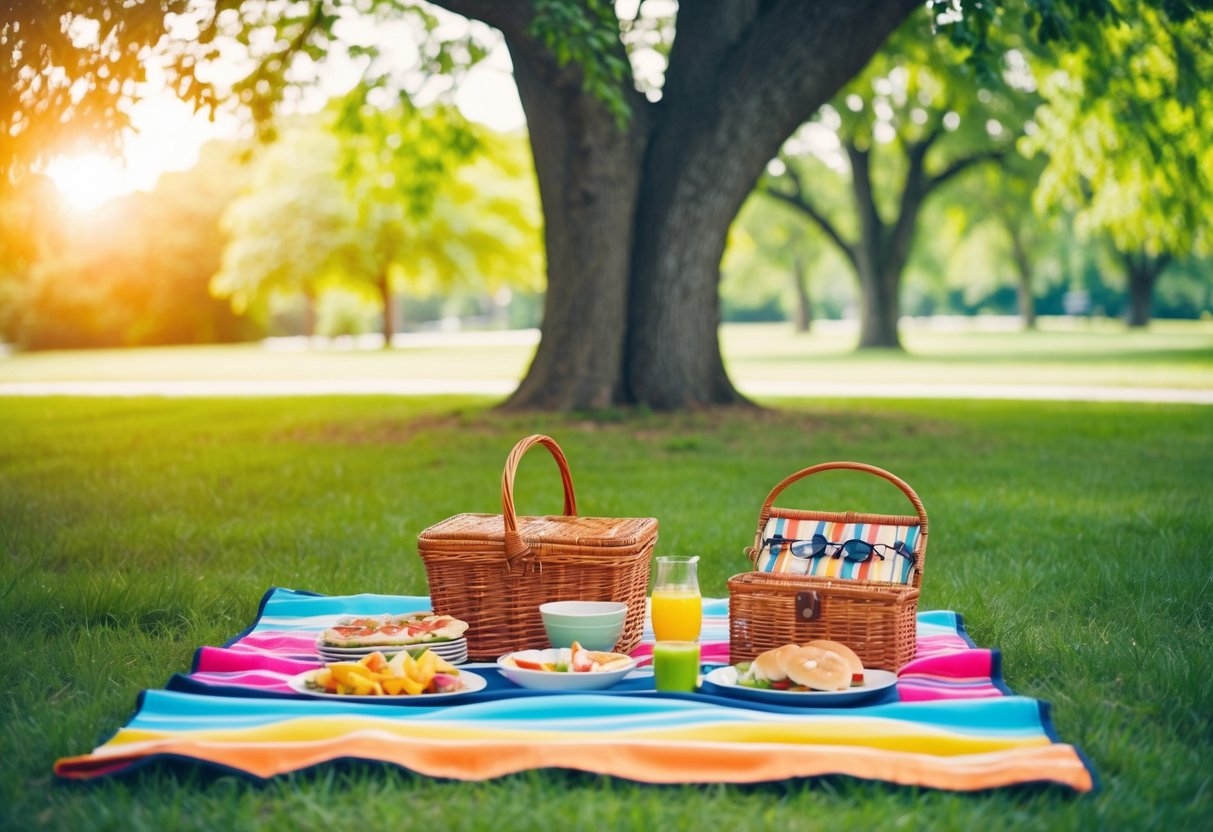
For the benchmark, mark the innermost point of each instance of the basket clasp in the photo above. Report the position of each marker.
(808, 605)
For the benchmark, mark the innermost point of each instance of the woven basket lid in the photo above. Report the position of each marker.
(627, 532)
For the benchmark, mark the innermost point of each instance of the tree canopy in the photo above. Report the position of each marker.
(324, 210)
(909, 124)
(629, 154)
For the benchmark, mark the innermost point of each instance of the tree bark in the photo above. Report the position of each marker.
(389, 319)
(880, 254)
(803, 315)
(741, 78)
(636, 218)
(1142, 271)
(1023, 272)
(588, 172)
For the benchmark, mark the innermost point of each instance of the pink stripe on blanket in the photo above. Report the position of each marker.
(237, 668)
(937, 645)
(909, 690)
(278, 642)
(963, 674)
(253, 679)
(221, 660)
(969, 663)
(716, 652)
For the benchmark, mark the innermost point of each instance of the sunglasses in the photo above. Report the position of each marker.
(856, 551)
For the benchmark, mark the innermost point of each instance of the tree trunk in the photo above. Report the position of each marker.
(739, 83)
(1142, 271)
(803, 315)
(588, 174)
(880, 307)
(636, 218)
(389, 312)
(1023, 270)
(309, 313)
(879, 259)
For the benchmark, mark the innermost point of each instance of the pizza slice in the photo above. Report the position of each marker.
(392, 630)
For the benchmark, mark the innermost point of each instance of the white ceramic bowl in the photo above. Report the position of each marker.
(551, 680)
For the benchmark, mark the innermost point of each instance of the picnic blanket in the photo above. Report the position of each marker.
(950, 722)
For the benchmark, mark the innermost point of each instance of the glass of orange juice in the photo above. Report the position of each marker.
(677, 610)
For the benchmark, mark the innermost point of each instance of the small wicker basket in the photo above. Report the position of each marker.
(877, 619)
(494, 570)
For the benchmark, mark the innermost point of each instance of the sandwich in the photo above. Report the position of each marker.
(819, 666)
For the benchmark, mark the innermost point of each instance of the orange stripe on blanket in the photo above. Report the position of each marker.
(647, 761)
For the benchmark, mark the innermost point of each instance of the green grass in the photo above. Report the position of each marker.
(1169, 354)
(1061, 352)
(1076, 537)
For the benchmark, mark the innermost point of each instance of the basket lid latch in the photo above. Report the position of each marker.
(808, 605)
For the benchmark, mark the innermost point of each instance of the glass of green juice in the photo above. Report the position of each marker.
(676, 665)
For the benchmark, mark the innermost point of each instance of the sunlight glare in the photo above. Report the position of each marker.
(88, 180)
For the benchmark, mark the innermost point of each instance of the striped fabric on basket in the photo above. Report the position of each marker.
(893, 569)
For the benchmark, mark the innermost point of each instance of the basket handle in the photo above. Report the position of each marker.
(765, 514)
(515, 546)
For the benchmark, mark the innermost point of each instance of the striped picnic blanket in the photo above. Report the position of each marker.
(949, 723)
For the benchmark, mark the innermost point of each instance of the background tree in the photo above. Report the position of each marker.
(1128, 129)
(362, 211)
(288, 230)
(778, 260)
(911, 114)
(136, 270)
(995, 210)
(30, 228)
(636, 201)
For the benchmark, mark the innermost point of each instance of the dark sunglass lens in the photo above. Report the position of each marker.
(802, 549)
(819, 544)
(857, 550)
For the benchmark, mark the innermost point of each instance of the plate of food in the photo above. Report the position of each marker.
(455, 652)
(565, 668)
(405, 630)
(401, 679)
(816, 674)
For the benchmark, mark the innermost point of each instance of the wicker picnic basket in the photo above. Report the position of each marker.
(494, 570)
(875, 618)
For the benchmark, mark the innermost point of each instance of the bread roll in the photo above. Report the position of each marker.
(772, 665)
(818, 669)
(846, 652)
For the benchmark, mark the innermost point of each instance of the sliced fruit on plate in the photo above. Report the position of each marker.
(581, 660)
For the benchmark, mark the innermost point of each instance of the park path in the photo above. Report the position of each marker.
(496, 388)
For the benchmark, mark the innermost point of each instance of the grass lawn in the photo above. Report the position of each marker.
(1169, 354)
(1076, 537)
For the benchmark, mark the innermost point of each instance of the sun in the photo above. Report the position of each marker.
(88, 180)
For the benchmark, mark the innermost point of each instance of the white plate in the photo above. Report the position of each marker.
(330, 658)
(551, 680)
(411, 648)
(725, 680)
(448, 644)
(472, 683)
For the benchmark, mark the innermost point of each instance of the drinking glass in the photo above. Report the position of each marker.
(677, 609)
(676, 665)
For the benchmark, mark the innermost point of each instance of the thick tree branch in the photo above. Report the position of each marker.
(959, 166)
(913, 192)
(871, 226)
(798, 199)
(794, 51)
(512, 17)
